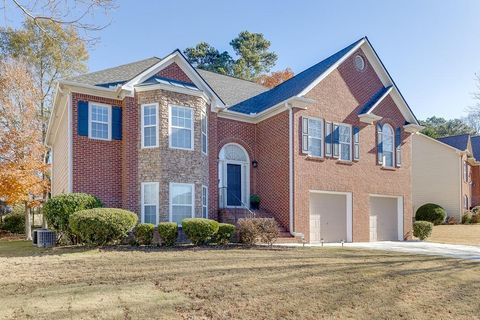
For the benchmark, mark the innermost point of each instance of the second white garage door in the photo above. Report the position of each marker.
(386, 218)
(330, 217)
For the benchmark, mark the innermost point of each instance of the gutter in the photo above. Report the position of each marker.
(291, 227)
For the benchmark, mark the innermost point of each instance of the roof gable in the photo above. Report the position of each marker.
(475, 140)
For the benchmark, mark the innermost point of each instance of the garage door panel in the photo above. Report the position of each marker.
(383, 218)
(328, 217)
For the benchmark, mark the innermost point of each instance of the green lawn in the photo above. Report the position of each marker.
(260, 283)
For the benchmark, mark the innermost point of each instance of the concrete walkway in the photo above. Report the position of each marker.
(415, 247)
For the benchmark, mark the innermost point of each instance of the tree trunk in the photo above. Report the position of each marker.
(28, 225)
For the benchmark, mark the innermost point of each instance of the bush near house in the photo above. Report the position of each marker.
(199, 230)
(431, 212)
(144, 233)
(475, 218)
(253, 230)
(422, 229)
(101, 226)
(467, 217)
(476, 210)
(224, 234)
(452, 220)
(14, 223)
(58, 210)
(168, 232)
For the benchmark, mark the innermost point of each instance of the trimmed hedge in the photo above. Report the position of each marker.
(253, 230)
(475, 218)
(225, 233)
(431, 212)
(144, 233)
(14, 223)
(467, 217)
(101, 226)
(199, 230)
(58, 209)
(422, 229)
(452, 220)
(168, 232)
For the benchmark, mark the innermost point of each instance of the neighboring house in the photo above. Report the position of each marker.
(442, 172)
(328, 151)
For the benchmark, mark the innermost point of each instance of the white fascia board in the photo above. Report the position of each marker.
(161, 86)
(58, 93)
(333, 67)
(386, 93)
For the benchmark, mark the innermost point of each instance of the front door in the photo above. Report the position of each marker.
(234, 185)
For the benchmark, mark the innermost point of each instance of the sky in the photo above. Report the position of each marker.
(431, 48)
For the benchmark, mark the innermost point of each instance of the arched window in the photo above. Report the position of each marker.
(388, 142)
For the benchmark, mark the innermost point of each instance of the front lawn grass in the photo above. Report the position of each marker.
(257, 283)
(468, 234)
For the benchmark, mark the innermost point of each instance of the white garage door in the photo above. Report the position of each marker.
(386, 216)
(330, 217)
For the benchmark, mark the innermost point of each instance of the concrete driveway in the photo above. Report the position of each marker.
(414, 247)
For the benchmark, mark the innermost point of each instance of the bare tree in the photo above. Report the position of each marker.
(80, 14)
(473, 112)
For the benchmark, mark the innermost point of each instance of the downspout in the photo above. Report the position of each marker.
(291, 227)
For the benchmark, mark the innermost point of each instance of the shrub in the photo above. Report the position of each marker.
(475, 218)
(476, 210)
(168, 232)
(224, 233)
(452, 220)
(247, 231)
(431, 212)
(102, 226)
(467, 217)
(422, 229)
(14, 223)
(199, 230)
(58, 210)
(268, 230)
(144, 233)
(253, 230)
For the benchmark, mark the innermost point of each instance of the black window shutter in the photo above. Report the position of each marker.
(379, 144)
(356, 143)
(398, 147)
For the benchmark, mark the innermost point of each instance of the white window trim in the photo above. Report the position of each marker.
(204, 187)
(109, 123)
(170, 200)
(157, 185)
(384, 162)
(204, 114)
(192, 130)
(322, 137)
(155, 125)
(341, 124)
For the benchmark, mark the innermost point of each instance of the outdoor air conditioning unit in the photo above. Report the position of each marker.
(46, 238)
(35, 236)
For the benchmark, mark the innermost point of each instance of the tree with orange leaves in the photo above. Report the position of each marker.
(275, 78)
(21, 146)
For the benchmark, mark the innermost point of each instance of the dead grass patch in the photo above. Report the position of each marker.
(468, 234)
(293, 283)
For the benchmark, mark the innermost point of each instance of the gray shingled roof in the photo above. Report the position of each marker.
(459, 142)
(118, 74)
(231, 90)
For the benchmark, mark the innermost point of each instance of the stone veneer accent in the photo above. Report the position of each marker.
(164, 164)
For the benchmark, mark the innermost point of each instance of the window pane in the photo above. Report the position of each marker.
(182, 194)
(99, 130)
(345, 135)
(345, 151)
(150, 214)
(181, 138)
(150, 194)
(314, 128)
(149, 136)
(315, 146)
(99, 113)
(388, 158)
(149, 115)
(181, 212)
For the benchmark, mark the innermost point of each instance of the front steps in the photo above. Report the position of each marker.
(232, 215)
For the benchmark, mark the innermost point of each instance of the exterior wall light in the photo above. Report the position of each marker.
(254, 163)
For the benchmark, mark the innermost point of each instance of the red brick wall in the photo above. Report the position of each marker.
(96, 164)
(475, 185)
(174, 72)
(272, 171)
(130, 142)
(338, 98)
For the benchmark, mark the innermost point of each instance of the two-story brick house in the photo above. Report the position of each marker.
(328, 151)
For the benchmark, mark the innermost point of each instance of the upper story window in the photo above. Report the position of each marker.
(150, 125)
(345, 141)
(181, 127)
(465, 171)
(100, 121)
(204, 133)
(465, 201)
(359, 62)
(388, 145)
(312, 136)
